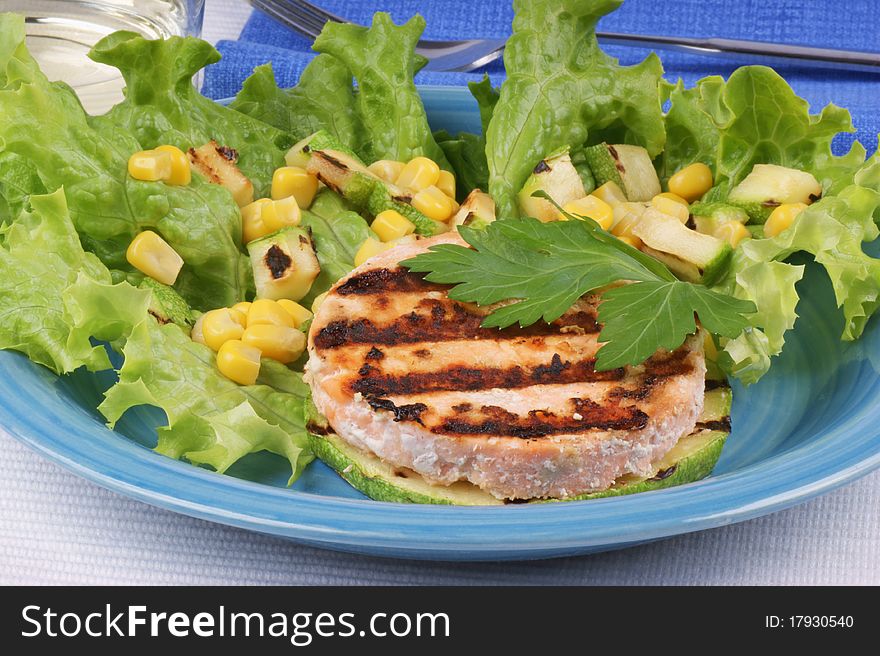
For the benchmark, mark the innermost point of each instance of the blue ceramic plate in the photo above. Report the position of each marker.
(811, 425)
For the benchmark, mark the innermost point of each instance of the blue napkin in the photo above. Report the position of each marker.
(825, 23)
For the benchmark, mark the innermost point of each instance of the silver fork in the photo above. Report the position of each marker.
(309, 20)
(466, 55)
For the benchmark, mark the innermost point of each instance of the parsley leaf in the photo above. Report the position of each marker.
(546, 267)
(638, 319)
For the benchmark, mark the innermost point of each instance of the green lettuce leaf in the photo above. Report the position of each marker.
(162, 106)
(755, 118)
(48, 142)
(832, 230)
(466, 152)
(383, 60)
(562, 90)
(324, 99)
(19, 179)
(337, 234)
(211, 419)
(693, 125)
(54, 297)
(40, 258)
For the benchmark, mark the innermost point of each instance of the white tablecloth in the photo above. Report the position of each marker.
(58, 529)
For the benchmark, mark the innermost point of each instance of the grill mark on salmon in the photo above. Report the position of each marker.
(386, 281)
(407, 412)
(465, 379)
(445, 321)
(657, 369)
(402, 371)
(496, 421)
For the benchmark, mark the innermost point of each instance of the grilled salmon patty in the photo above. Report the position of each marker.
(402, 371)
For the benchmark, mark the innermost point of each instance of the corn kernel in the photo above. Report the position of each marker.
(196, 333)
(368, 249)
(418, 174)
(151, 255)
(386, 169)
(591, 207)
(221, 325)
(281, 213)
(276, 342)
(782, 218)
(610, 192)
(668, 206)
(446, 183)
(149, 165)
(691, 182)
(181, 169)
(673, 197)
(252, 225)
(733, 232)
(433, 203)
(298, 312)
(319, 300)
(391, 225)
(239, 317)
(243, 307)
(294, 181)
(264, 216)
(632, 240)
(264, 311)
(239, 362)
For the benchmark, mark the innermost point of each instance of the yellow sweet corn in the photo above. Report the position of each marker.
(319, 299)
(150, 165)
(386, 169)
(673, 197)
(691, 182)
(368, 249)
(418, 173)
(591, 207)
(391, 225)
(281, 213)
(276, 342)
(264, 216)
(264, 311)
(610, 192)
(446, 183)
(298, 312)
(181, 169)
(151, 255)
(782, 218)
(733, 232)
(221, 325)
(252, 226)
(663, 203)
(296, 182)
(239, 317)
(239, 362)
(243, 307)
(433, 203)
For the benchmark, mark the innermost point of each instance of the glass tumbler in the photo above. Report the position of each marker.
(60, 34)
